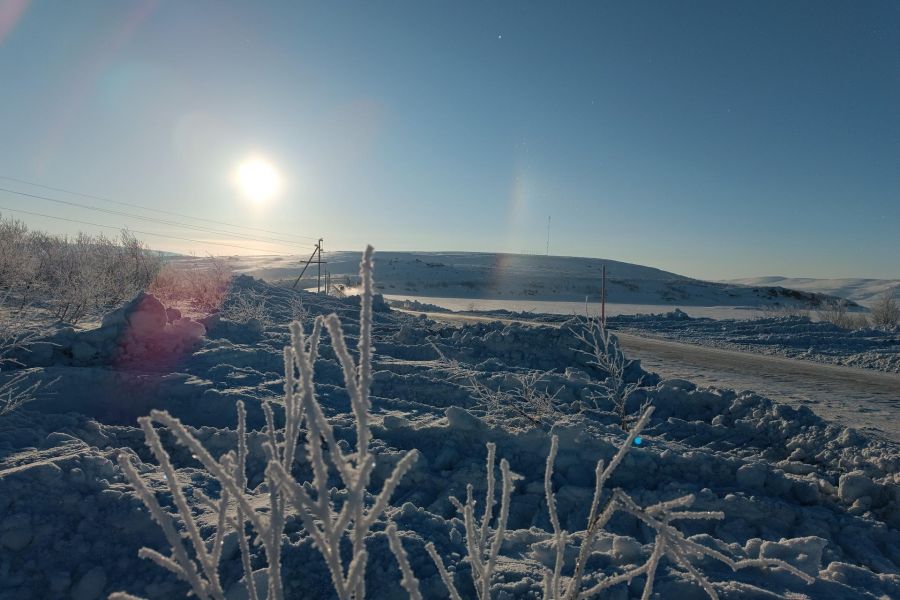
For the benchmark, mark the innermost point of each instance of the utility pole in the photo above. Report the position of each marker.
(319, 279)
(311, 257)
(548, 235)
(603, 298)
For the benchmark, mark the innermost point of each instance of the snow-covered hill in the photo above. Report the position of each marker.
(533, 277)
(862, 291)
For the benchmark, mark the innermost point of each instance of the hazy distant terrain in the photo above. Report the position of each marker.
(515, 277)
(862, 291)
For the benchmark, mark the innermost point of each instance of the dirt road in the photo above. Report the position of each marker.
(860, 398)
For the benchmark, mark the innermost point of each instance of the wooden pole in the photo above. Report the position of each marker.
(311, 256)
(319, 278)
(603, 298)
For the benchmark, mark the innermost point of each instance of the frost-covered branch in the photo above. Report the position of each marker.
(408, 581)
(603, 351)
(483, 548)
(521, 396)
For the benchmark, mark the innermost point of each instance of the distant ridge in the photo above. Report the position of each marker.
(861, 290)
(482, 275)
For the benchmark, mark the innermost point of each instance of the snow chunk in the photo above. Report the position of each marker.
(855, 485)
(805, 553)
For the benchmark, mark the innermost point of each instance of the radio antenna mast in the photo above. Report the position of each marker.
(548, 235)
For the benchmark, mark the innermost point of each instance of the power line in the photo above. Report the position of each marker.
(173, 237)
(168, 212)
(153, 220)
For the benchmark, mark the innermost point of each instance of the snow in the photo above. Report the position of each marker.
(536, 308)
(860, 290)
(824, 497)
(490, 276)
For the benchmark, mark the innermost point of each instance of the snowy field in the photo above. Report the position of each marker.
(820, 496)
(487, 277)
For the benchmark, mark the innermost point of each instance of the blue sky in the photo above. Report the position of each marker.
(713, 139)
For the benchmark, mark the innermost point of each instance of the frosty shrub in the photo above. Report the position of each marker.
(15, 264)
(484, 541)
(329, 524)
(299, 312)
(886, 311)
(519, 399)
(199, 285)
(72, 277)
(15, 337)
(836, 313)
(604, 353)
(248, 306)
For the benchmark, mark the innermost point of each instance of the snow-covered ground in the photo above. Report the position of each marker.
(822, 496)
(490, 276)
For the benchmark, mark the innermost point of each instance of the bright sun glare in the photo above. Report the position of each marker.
(258, 179)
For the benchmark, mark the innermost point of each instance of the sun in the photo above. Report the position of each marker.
(258, 179)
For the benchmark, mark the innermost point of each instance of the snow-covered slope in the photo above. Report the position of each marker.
(862, 291)
(534, 277)
(791, 485)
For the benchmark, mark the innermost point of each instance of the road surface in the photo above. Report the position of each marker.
(860, 398)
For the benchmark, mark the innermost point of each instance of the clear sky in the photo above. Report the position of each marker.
(713, 139)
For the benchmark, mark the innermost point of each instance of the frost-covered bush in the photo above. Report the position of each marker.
(836, 313)
(604, 352)
(886, 311)
(199, 285)
(247, 306)
(517, 400)
(16, 335)
(72, 277)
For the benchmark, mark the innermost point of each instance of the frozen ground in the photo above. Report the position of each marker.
(816, 493)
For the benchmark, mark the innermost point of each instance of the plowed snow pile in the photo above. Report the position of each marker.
(818, 495)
